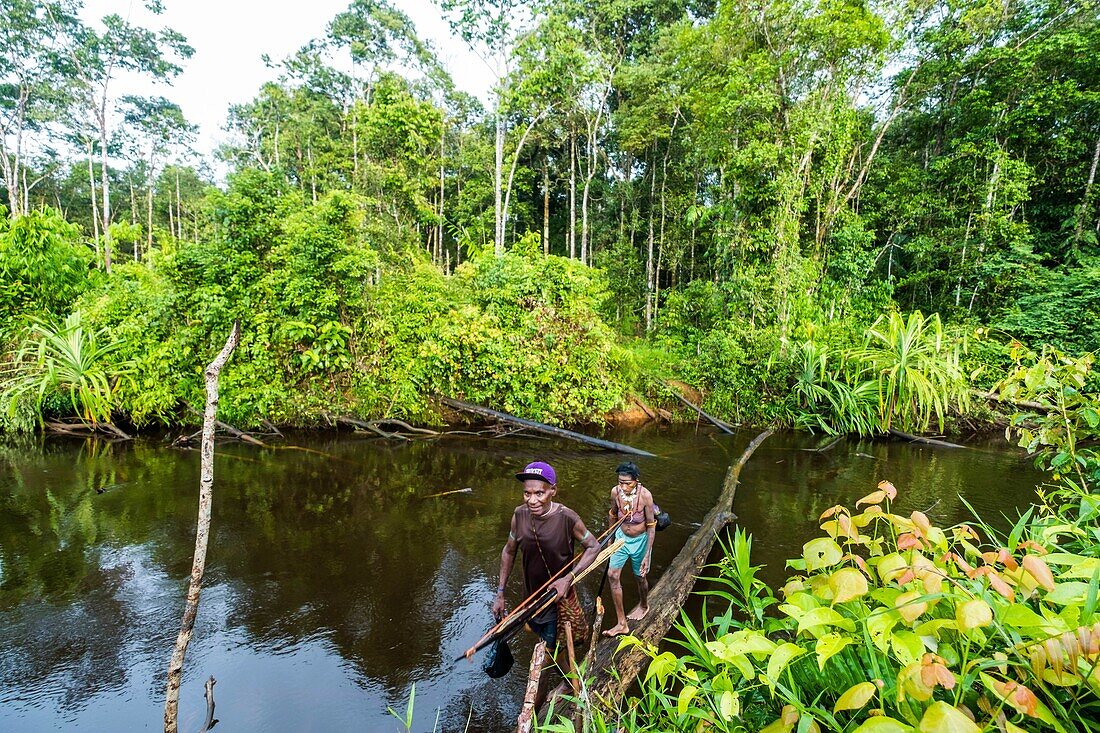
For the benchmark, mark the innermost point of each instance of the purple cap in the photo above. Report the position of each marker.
(539, 470)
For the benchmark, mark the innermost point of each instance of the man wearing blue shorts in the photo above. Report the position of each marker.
(631, 502)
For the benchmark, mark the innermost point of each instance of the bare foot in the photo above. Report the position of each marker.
(639, 612)
(618, 630)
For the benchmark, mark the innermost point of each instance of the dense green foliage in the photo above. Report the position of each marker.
(328, 329)
(834, 215)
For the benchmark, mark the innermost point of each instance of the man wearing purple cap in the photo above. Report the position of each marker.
(545, 532)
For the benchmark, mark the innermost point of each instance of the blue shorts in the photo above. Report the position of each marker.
(634, 550)
(547, 630)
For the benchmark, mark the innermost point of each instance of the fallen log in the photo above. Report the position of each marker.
(540, 427)
(1015, 404)
(271, 427)
(827, 447)
(613, 674)
(919, 439)
(644, 408)
(406, 426)
(240, 434)
(83, 429)
(720, 424)
(371, 425)
(227, 428)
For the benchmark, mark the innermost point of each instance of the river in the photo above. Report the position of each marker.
(333, 585)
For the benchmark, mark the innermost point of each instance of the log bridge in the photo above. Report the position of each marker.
(615, 673)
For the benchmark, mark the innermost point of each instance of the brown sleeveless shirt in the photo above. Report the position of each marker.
(546, 543)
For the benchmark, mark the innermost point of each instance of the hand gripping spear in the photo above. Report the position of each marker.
(541, 599)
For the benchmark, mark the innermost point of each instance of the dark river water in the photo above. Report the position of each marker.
(333, 585)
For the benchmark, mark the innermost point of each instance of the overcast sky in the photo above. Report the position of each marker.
(231, 36)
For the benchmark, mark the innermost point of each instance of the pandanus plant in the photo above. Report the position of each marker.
(68, 360)
(914, 366)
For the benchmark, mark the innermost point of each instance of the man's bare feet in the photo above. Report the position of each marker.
(617, 630)
(639, 612)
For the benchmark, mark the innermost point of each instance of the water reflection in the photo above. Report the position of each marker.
(333, 584)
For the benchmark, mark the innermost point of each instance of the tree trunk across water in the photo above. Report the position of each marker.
(615, 673)
(202, 532)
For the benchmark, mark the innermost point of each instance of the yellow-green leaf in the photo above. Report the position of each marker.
(909, 607)
(907, 646)
(875, 497)
(855, 697)
(1067, 593)
(821, 553)
(943, 718)
(847, 584)
(662, 666)
(890, 567)
(748, 641)
(729, 705)
(1020, 616)
(830, 645)
(883, 724)
(824, 616)
(973, 614)
(780, 658)
(879, 625)
(683, 702)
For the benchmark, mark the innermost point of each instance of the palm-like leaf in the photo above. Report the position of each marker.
(67, 360)
(915, 370)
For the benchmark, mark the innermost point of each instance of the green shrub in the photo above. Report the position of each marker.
(44, 266)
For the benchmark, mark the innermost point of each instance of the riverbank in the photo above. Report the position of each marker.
(333, 331)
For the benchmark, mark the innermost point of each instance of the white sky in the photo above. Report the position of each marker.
(231, 36)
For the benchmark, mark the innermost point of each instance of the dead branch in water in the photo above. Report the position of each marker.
(925, 441)
(540, 427)
(209, 705)
(82, 429)
(722, 425)
(828, 447)
(202, 533)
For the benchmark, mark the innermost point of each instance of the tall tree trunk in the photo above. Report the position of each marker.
(12, 161)
(1083, 210)
(105, 209)
(572, 195)
(498, 174)
(179, 206)
(312, 172)
(442, 181)
(354, 145)
(590, 172)
(661, 239)
(171, 215)
(990, 196)
(133, 215)
(649, 273)
(149, 220)
(546, 204)
(95, 208)
(202, 531)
